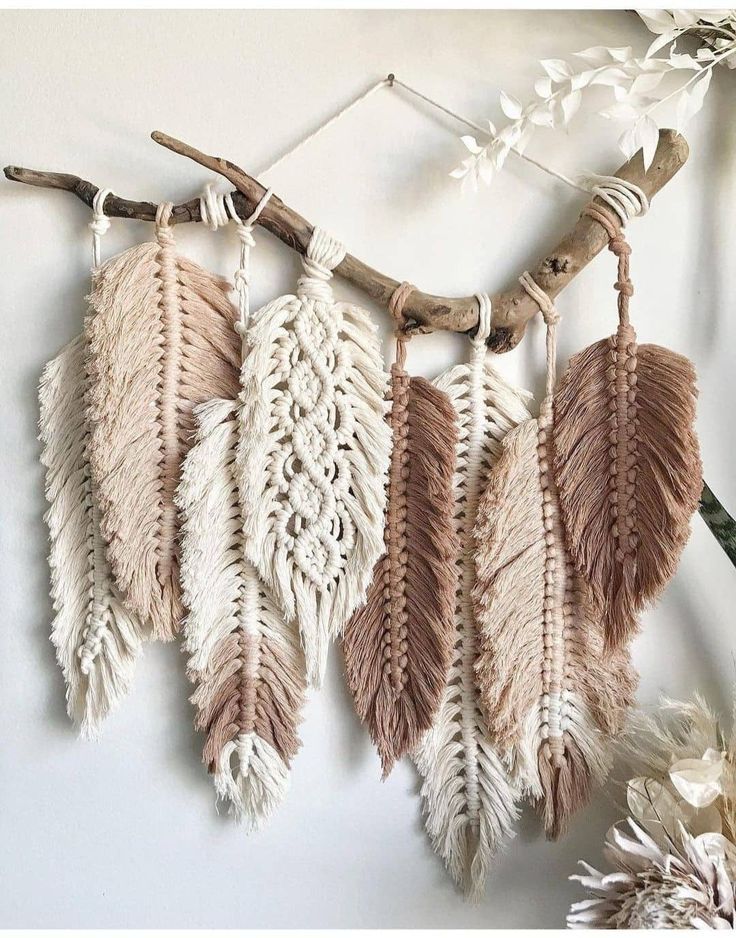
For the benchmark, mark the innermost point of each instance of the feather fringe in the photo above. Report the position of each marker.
(245, 661)
(628, 470)
(553, 694)
(468, 800)
(97, 640)
(313, 461)
(162, 341)
(398, 645)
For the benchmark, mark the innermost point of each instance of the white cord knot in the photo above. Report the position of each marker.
(545, 304)
(625, 198)
(100, 223)
(244, 230)
(212, 208)
(324, 253)
(485, 312)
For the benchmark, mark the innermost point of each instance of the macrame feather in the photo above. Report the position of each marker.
(468, 799)
(162, 341)
(553, 693)
(397, 646)
(627, 465)
(97, 639)
(246, 662)
(314, 453)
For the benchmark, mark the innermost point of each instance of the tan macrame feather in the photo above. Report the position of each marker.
(467, 796)
(314, 453)
(97, 639)
(162, 341)
(627, 461)
(397, 646)
(553, 695)
(246, 662)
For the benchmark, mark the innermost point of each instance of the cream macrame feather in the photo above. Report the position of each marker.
(468, 798)
(161, 341)
(97, 639)
(313, 453)
(245, 660)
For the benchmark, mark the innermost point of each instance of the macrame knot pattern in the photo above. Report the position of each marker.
(323, 255)
(624, 416)
(164, 234)
(100, 223)
(313, 473)
(244, 231)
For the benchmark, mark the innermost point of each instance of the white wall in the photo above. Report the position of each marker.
(125, 833)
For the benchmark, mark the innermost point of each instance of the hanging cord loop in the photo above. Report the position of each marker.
(485, 312)
(619, 246)
(164, 234)
(625, 198)
(244, 229)
(551, 318)
(99, 225)
(396, 308)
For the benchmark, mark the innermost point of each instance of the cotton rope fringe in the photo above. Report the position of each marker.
(467, 798)
(398, 645)
(314, 452)
(161, 341)
(626, 459)
(97, 639)
(553, 695)
(245, 660)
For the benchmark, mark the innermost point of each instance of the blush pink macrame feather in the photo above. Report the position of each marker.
(626, 461)
(160, 342)
(553, 694)
(398, 645)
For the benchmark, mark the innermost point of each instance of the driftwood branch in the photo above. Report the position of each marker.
(512, 308)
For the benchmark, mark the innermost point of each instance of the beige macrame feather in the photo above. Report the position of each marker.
(553, 695)
(314, 453)
(466, 793)
(162, 341)
(627, 462)
(397, 646)
(245, 660)
(97, 639)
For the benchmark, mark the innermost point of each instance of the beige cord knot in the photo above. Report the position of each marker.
(247, 241)
(396, 304)
(164, 234)
(619, 246)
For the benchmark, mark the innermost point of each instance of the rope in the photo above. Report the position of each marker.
(396, 304)
(619, 246)
(244, 230)
(551, 318)
(625, 198)
(100, 223)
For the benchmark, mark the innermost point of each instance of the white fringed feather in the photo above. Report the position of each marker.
(97, 639)
(245, 660)
(469, 801)
(314, 453)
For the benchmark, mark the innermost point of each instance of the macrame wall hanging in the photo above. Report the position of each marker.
(267, 485)
(466, 793)
(626, 459)
(314, 451)
(244, 658)
(398, 645)
(553, 694)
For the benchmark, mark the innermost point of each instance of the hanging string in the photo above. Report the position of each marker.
(551, 318)
(396, 308)
(100, 223)
(487, 133)
(247, 241)
(383, 83)
(619, 246)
